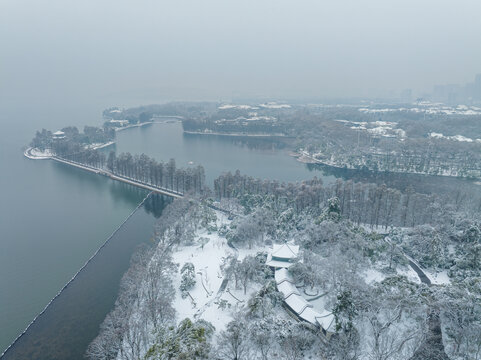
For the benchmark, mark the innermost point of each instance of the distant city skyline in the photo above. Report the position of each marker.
(126, 52)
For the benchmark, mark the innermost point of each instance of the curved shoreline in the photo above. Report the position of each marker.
(308, 159)
(236, 134)
(74, 276)
(28, 154)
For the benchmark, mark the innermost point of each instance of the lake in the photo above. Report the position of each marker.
(54, 217)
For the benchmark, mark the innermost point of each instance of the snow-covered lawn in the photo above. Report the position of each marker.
(439, 278)
(205, 300)
(373, 275)
(208, 275)
(97, 146)
(409, 273)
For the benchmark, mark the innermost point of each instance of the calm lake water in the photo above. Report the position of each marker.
(71, 322)
(54, 217)
(261, 158)
(256, 157)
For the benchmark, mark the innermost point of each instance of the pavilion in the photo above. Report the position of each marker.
(283, 255)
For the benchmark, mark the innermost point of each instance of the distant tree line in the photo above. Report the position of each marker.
(236, 125)
(166, 175)
(343, 145)
(146, 170)
(73, 140)
(116, 114)
(370, 204)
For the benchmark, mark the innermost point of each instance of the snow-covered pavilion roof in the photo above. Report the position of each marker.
(309, 315)
(282, 275)
(285, 251)
(58, 133)
(326, 321)
(297, 303)
(277, 263)
(287, 289)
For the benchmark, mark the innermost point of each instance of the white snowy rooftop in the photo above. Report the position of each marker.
(277, 263)
(282, 255)
(285, 251)
(297, 303)
(309, 315)
(59, 133)
(283, 275)
(287, 289)
(326, 321)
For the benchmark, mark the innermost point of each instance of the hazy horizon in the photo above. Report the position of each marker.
(128, 53)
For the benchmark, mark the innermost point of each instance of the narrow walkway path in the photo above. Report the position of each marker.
(124, 179)
(433, 346)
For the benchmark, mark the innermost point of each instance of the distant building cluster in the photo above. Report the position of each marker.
(456, 94)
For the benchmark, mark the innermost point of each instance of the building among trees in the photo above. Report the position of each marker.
(58, 135)
(281, 258)
(283, 255)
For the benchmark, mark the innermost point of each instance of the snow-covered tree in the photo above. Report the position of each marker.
(187, 281)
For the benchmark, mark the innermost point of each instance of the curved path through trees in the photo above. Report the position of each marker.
(433, 346)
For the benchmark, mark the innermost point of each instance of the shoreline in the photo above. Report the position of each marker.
(74, 276)
(29, 152)
(132, 126)
(308, 159)
(101, 146)
(235, 134)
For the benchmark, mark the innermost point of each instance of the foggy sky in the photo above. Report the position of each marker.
(143, 51)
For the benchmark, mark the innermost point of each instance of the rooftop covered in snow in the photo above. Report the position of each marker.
(283, 255)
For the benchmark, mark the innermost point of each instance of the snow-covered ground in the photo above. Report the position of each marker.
(439, 278)
(373, 275)
(36, 154)
(274, 105)
(269, 105)
(379, 128)
(205, 297)
(97, 146)
(454, 137)
(428, 108)
(232, 106)
(209, 278)
(409, 273)
(133, 126)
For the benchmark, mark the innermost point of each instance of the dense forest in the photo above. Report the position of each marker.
(370, 204)
(363, 277)
(394, 139)
(396, 143)
(144, 169)
(72, 140)
(80, 148)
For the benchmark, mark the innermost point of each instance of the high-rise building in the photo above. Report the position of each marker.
(477, 87)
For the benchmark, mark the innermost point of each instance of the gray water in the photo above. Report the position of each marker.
(72, 320)
(54, 217)
(256, 157)
(262, 158)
